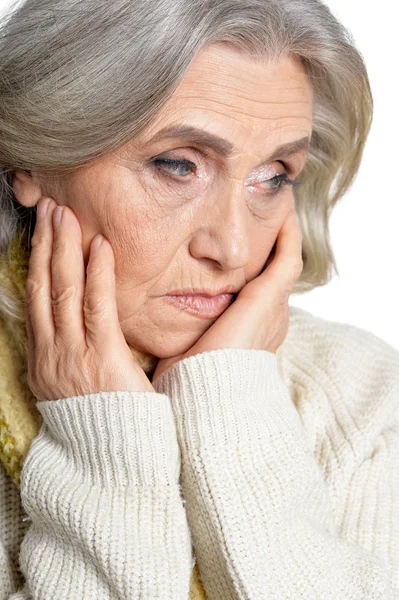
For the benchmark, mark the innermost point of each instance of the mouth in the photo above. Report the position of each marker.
(228, 289)
(200, 305)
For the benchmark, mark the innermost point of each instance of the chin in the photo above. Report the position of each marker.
(164, 346)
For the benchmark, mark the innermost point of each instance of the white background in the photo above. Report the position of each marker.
(365, 223)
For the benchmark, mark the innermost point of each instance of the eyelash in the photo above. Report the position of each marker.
(283, 178)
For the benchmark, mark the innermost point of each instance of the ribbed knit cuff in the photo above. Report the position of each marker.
(112, 438)
(228, 396)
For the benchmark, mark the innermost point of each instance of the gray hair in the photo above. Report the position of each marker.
(81, 77)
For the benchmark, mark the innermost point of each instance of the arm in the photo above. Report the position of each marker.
(258, 507)
(101, 485)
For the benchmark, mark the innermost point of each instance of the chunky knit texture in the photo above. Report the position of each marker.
(278, 475)
(20, 420)
(289, 474)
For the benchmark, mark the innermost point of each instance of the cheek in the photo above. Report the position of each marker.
(143, 249)
(179, 202)
(134, 221)
(264, 243)
(165, 195)
(82, 201)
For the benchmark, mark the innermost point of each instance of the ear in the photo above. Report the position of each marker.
(27, 188)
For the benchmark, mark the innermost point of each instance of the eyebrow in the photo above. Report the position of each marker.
(221, 145)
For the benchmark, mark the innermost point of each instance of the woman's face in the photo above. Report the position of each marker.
(202, 225)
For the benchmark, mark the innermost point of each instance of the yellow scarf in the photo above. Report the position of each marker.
(20, 420)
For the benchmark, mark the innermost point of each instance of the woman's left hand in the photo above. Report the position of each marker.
(259, 317)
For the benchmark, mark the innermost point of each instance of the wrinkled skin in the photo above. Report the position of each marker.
(172, 228)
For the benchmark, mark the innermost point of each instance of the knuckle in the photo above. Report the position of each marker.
(95, 304)
(95, 270)
(34, 289)
(294, 271)
(63, 296)
(298, 267)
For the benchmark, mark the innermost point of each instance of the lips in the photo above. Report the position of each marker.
(207, 307)
(228, 289)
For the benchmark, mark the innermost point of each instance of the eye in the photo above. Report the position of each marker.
(278, 181)
(180, 170)
(178, 167)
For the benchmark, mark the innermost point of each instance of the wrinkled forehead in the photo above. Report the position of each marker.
(246, 100)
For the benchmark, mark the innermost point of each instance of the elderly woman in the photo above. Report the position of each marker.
(171, 427)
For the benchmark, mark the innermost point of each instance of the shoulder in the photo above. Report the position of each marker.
(341, 352)
(344, 381)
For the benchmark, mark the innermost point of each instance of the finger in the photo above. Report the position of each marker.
(67, 277)
(100, 307)
(288, 253)
(38, 282)
(271, 256)
(31, 341)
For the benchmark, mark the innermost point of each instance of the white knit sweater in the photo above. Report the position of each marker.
(281, 471)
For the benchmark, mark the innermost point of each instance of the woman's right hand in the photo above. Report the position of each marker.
(76, 345)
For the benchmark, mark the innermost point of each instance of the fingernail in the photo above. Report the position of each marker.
(42, 208)
(57, 216)
(97, 241)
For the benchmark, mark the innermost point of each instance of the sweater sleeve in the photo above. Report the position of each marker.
(100, 484)
(259, 511)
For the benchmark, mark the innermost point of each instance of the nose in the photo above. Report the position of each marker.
(224, 235)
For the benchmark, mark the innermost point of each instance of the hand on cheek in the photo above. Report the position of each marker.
(259, 317)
